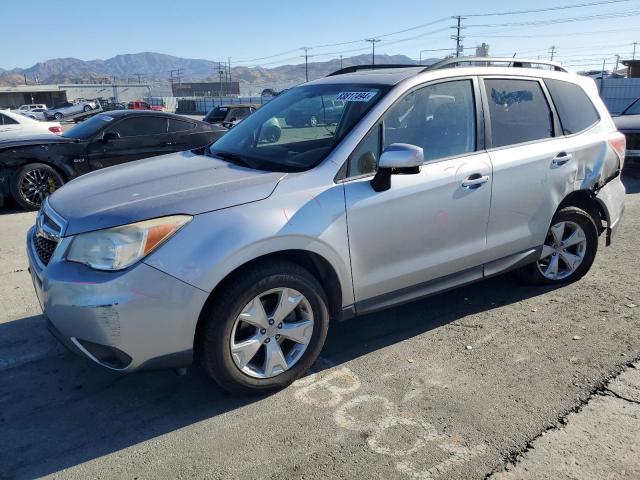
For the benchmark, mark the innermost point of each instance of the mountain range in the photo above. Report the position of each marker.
(154, 68)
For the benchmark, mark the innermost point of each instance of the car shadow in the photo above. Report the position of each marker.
(62, 410)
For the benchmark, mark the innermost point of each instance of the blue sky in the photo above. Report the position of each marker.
(246, 30)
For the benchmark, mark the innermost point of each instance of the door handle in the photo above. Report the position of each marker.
(475, 180)
(561, 159)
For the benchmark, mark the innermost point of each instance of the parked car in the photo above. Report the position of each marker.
(35, 114)
(240, 254)
(313, 112)
(628, 122)
(31, 107)
(30, 172)
(140, 105)
(230, 115)
(15, 125)
(67, 109)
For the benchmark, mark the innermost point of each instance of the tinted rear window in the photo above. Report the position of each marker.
(575, 109)
(519, 112)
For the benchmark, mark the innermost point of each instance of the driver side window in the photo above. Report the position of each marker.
(440, 118)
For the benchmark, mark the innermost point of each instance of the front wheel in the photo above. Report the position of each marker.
(265, 329)
(568, 252)
(34, 182)
(58, 116)
(87, 108)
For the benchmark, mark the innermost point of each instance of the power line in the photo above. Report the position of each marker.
(601, 16)
(538, 10)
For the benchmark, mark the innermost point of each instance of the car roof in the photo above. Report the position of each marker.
(142, 113)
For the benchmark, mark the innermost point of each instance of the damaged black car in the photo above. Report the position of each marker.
(33, 167)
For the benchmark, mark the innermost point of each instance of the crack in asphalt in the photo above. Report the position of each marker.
(516, 455)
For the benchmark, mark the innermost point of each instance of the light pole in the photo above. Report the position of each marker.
(373, 42)
(306, 62)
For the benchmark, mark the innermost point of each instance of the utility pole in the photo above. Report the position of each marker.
(373, 42)
(306, 62)
(229, 62)
(634, 50)
(457, 37)
(617, 61)
(220, 72)
(340, 62)
(552, 51)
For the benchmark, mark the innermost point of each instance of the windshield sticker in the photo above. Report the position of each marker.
(356, 96)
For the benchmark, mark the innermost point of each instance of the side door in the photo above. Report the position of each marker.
(130, 139)
(429, 229)
(528, 153)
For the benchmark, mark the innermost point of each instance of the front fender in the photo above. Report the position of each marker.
(215, 244)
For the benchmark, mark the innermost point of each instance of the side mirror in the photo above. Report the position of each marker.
(107, 137)
(397, 158)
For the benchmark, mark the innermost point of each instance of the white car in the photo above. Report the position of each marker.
(30, 107)
(14, 125)
(36, 113)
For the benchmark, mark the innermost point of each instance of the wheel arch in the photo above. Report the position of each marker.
(315, 263)
(586, 200)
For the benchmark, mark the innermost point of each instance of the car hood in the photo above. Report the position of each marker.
(627, 122)
(178, 183)
(25, 140)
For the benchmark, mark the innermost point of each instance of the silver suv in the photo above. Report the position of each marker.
(239, 255)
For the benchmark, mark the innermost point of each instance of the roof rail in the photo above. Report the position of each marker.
(356, 68)
(512, 62)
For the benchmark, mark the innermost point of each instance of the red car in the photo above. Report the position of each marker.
(140, 105)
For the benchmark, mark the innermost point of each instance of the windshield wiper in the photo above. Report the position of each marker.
(233, 158)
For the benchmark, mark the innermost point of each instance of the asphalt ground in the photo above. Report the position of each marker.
(459, 385)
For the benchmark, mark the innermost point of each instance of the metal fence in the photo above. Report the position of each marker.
(201, 105)
(618, 93)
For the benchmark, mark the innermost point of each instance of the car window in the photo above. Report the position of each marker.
(240, 113)
(5, 120)
(440, 118)
(633, 109)
(179, 125)
(519, 111)
(574, 107)
(364, 159)
(135, 127)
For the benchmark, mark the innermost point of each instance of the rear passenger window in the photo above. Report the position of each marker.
(574, 107)
(179, 125)
(138, 126)
(519, 112)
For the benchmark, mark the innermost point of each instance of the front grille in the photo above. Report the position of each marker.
(44, 248)
(633, 141)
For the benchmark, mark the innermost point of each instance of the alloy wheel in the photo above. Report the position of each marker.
(271, 333)
(37, 184)
(563, 250)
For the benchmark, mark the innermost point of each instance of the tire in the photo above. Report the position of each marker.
(248, 372)
(58, 116)
(313, 121)
(32, 183)
(87, 108)
(582, 254)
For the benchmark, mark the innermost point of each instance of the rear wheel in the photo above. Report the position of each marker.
(34, 182)
(87, 108)
(568, 252)
(58, 116)
(265, 329)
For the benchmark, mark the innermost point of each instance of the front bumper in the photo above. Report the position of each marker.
(137, 318)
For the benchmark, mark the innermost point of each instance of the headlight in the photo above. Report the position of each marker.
(120, 247)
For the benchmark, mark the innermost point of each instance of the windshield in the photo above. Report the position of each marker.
(633, 109)
(217, 114)
(296, 130)
(88, 128)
